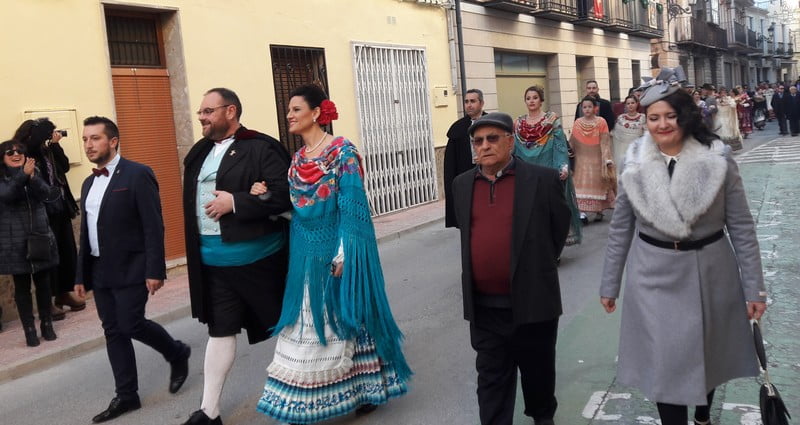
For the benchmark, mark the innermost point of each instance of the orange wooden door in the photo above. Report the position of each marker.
(147, 135)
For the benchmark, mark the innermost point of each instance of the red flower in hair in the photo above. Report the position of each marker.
(327, 112)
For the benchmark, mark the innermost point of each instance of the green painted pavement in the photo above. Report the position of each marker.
(587, 346)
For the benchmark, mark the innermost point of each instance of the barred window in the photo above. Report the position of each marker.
(134, 41)
(293, 67)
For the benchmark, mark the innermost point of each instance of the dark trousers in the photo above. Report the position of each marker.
(674, 414)
(22, 296)
(502, 349)
(781, 117)
(121, 311)
(794, 126)
(62, 279)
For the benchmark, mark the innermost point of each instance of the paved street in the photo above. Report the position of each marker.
(423, 284)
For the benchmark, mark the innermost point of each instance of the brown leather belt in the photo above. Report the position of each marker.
(683, 245)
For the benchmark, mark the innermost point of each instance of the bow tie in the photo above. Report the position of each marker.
(100, 172)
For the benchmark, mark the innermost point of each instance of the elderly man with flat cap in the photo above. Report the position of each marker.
(513, 219)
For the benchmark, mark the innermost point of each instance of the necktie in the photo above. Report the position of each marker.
(671, 167)
(100, 172)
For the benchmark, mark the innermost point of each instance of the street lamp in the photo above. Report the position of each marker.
(674, 9)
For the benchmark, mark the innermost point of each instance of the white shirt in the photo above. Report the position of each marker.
(92, 205)
(222, 146)
(668, 158)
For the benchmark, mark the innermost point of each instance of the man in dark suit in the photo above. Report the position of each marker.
(604, 106)
(121, 258)
(791, 107)
(458, 153)
(778, 108)
(514, 221)
(235, 242)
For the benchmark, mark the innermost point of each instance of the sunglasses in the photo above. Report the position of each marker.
(12, 152)
(492, 138)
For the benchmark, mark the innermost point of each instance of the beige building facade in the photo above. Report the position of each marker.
(507, 51)
(147, 63)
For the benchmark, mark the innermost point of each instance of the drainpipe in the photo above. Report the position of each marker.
(461, 67)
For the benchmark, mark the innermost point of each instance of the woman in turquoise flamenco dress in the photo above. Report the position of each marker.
(338, 348)
(539, 139)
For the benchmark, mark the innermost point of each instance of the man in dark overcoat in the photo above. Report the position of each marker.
(603, 109)
(779, 108)
(791, 107)
(236, 243)
(514, 221)
(121, 258)
(458, 153)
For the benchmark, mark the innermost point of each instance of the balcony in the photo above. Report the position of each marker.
(591, 16)
(790, 50)
(648, 23)
(557, 10)
(622, 17)
(697, 32)
(740, 39)
(770, 48)
(752, 40)
(779, 50)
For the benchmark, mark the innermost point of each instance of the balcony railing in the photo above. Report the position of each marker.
(790, 50)
(770, 48)
(622, 16)
(737, 37)
(648, 22)
(593, 13)
(779, 51)
(699, 32)
(558, 10)
(752, 40)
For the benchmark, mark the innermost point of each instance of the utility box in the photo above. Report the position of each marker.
(441, 96)
(64, 119)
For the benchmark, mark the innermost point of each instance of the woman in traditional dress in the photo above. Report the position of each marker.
(744, 111)
(760, 111)
(595, 176)
(539, 139)
(705, 112)
(685, 328)
(338, 347)
(630, 126)
(726, 122)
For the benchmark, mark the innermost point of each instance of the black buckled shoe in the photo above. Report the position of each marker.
(116, 408)
(179, 369)
(199, 417)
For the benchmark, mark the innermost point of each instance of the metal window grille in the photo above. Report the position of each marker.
(395, 120)
(293, 67)
(133, 41)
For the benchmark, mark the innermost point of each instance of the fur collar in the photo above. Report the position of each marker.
(673, 205)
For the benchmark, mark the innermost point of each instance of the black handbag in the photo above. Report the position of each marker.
(38, 243)
(38, 247)
(773, 410)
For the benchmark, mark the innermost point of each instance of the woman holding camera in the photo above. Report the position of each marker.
(41, 139)
(23, 221)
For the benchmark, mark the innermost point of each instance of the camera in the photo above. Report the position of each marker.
(63, 133)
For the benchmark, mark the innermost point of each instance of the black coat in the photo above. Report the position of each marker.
(252, 157)
(605, 111)
(791, 106)
(778, 104)
(21, 204)
(130, 230)
(539, 230)
(457, 159)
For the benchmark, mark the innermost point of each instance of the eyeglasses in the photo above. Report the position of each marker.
(492, 138)
(12, 152)
(209, 111)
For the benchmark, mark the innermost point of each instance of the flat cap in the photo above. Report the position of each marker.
(496, 119)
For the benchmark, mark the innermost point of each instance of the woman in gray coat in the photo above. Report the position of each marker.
(683, 227)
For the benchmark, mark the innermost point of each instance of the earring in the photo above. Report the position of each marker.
(314, 119)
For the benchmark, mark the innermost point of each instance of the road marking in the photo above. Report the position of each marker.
(595, 409)
(778, 151)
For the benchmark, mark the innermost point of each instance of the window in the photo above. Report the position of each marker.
(636, 70)
(134, 40)
(293, 67)
(613, 79)
(515, 63)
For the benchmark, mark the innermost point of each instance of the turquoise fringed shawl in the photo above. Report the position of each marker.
(330, 207)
